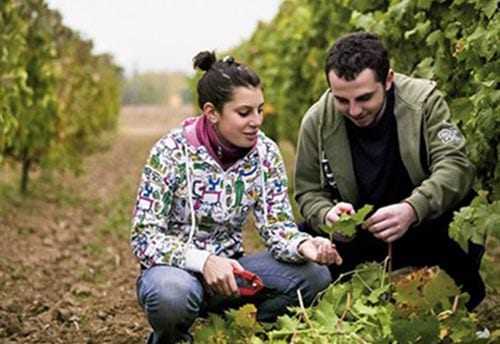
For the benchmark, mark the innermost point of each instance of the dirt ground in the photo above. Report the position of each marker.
(66, 270)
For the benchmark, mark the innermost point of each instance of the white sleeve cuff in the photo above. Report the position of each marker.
(195, 259)
(294, 245)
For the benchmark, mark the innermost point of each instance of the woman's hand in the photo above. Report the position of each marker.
(218, 274)
(320, 250)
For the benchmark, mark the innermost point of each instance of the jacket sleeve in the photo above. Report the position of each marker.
(310, 192)
(273, 212)
(151, 241)
(451, 172)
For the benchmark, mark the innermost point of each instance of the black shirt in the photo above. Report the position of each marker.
(380, 174)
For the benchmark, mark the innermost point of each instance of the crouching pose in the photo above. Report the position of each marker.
(382, 138)
(197, 189)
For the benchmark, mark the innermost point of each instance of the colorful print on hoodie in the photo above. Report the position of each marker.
(188, 207)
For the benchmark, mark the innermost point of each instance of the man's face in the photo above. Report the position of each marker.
(360, 99)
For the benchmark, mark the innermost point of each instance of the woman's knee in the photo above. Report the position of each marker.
(286, 279)
(170, 296)
(316, 278)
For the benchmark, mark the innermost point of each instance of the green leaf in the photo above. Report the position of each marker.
(416, 330)
(346, 225)
(440, 289)
(243, 321)
(376, 294)
(324, 313)
(489, 7)
(461, 108)
(287, 323)
(424, 4)
(434, 37)
(360, 215)
(361, 308)
(420, 30)
(335, 295)
(212, 332)
(424, 68)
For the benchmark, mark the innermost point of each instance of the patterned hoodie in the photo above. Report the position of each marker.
(188, 207)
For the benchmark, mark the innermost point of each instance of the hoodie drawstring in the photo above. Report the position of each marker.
(263, 182)
(190, 196)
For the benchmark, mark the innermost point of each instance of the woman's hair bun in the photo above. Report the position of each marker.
(204, 60)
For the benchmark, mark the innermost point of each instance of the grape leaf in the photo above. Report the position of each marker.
(325, 315)
(213, 331)
(440, 289)
(346, 225)
(288, 323)
(416, 330)
(244, 321)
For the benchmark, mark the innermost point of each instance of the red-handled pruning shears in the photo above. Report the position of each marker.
(249, 283)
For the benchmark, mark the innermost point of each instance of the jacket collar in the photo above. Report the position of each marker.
(337, 150)
(410, 93)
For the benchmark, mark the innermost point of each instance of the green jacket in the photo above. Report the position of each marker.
(421, 114)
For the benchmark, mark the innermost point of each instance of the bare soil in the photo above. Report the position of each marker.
(67, 274)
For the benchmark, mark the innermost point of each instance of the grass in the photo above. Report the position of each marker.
(93, 249)
(119, 212)
(46, 187)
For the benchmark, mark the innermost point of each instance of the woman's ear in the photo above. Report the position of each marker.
(211, 113)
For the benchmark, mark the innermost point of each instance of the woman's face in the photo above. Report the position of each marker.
(241, 117)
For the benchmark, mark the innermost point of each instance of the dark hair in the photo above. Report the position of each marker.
(354, 52)
(220, 78)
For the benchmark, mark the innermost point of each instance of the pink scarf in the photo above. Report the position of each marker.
(225, 153)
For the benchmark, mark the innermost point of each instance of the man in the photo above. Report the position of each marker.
(382, 138)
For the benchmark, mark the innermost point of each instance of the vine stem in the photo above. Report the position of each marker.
(320, 332)
(301, 304)
(389, 255)
(347, 308)
(306, 316)
(363, 281)
(455, 304)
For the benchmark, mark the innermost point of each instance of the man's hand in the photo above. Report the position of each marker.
(333, 216)
(320, 250)
(218, 274)
(340, 208)
(391, 222)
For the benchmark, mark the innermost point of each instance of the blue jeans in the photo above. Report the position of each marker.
(173, 298)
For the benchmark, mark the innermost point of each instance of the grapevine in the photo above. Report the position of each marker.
(56, 96)
(420, 306)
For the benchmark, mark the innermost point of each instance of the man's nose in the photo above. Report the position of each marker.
(354, 109)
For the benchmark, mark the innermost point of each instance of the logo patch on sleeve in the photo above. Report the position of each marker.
(450, 135)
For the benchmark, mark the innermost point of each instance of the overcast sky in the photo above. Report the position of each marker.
(163, 34)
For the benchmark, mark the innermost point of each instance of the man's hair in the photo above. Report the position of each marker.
(353, 53)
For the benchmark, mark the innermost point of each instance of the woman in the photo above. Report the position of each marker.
(198, 187)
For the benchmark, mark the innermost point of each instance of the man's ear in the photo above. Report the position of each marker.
(389, 80)
(210, 112)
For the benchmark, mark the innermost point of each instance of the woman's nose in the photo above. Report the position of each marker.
(256, 120)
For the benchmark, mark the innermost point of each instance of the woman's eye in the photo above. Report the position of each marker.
(244, 113)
